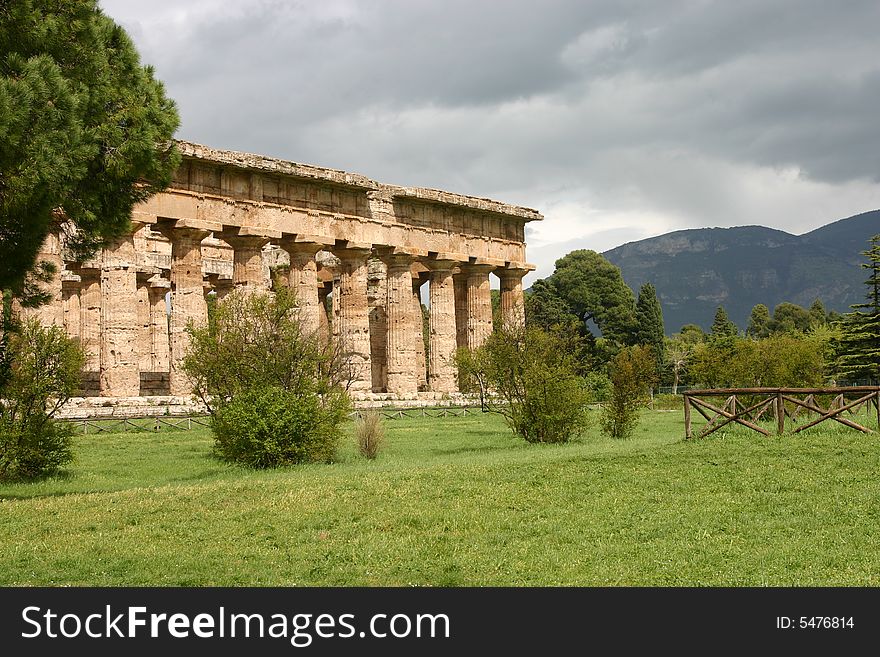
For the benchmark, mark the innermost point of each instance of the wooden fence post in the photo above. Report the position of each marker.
(780, 414)
(687, 417)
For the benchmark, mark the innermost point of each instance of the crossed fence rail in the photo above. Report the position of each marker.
(749, 406)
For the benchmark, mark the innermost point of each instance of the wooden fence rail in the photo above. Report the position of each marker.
(733, 410)
(154, 423)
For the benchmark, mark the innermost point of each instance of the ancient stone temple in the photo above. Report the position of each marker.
(357, 252)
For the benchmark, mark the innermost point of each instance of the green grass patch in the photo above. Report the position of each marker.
(458, 501)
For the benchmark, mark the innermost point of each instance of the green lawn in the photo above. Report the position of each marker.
(458, 501)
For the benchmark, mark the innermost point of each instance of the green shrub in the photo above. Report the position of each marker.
(44, 370)
(528, 377)
(633, 373)
(270, 427)
(370, 434)
(277, 395)
(599, 386)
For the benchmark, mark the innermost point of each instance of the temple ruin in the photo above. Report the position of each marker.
(234, 220)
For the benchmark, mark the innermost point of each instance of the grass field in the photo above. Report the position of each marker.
(458, 501)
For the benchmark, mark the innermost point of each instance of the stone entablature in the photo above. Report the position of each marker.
(235, 220)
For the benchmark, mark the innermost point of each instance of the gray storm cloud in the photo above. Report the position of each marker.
(617, 120)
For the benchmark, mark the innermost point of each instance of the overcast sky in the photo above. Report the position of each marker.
(617, 120)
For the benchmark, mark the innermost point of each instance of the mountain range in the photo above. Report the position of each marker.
(697, 270)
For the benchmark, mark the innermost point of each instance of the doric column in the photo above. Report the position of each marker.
(377, 298)
(400, 345)
(418, 328)
(159, 288)
(479, 304)
(187, 299)
(120, 372)
(459, 282)
(71, 286)
(145, 338)
(353, 328)
(323, 320)
(513, 312)
(90, 318)
(247, 261)
(51, 312)
(302, 278)
(442, 326)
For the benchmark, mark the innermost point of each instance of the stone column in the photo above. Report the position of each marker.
(513, 311)
(442, 326)
(247, 261)
(120, 374)
(90, 318)
(187, 299)
(145, 325)
(71, 286)
(353, 327)
(158, 288)
(400, 346)
(51, 312)
(377, 298)
(323, 319)
(459, 281)
(479, 304)
(418, 328)
(302, 278)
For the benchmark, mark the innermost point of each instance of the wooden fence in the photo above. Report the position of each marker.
(154, 423)
(749, 406)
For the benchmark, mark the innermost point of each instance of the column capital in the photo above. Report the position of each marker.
(512, 273)
(476, 269)
(292, 245)
(352, 251)
(440, 264)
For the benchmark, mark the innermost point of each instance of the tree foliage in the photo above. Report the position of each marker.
(722, 326)
(781, 360)
(649, 323)
(593, 290)
(85, 131)
(633, 374)
(277, 394)
(759, 322)
(528, 376)
(44, 372)
(857, 351)
(790, 318)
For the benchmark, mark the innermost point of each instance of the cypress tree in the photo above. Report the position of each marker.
(857, 351)
(649, 322)
(759, 322)
(722, 327)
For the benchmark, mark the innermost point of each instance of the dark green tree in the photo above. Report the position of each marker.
(759, 322)
(85, 130)
(547, 310)
(818, 316)
(649, 321)
(722, 327)
(857, 351)
(593, 290)
(790, 318)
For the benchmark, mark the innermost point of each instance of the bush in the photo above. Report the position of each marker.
(277, 395)
(370, 434)
(270, 427)
(633, 374)
(44, 371)
(528, 377)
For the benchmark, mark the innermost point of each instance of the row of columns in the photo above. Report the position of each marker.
(121, 319)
